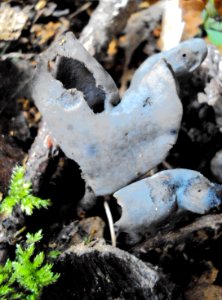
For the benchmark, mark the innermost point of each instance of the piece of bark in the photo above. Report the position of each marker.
(216, 165)
(9, 226)
(105, 272)
(139, 28)
(88, 229)
(108, 19)
(183, 253)
(211, 74)
(14, 79)
(9, 157)
(209, 223)
(43, 148)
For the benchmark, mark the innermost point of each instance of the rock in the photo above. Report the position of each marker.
(104, 272)
(108, 19)
(211, 72)
(216, 165)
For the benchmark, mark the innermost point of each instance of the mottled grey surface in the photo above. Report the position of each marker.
(61, 58)
(148, 202)
(108, 25)
(109, 18)
(124, 141)
(36, 164)
(104, 272)
(211, 72)
(139, 29)
(183, 59)
(216, 165)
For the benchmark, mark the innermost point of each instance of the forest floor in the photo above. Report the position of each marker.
(187, 255)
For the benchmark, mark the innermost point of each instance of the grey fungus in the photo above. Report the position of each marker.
(107, 157)
(106, 129)
(114, 141)
(149, 202)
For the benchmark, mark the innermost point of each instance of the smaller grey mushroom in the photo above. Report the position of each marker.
(148, 202)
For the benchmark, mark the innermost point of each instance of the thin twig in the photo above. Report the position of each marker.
(110, 222)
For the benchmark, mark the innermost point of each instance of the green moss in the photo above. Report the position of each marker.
(28, 274)
(20, 193)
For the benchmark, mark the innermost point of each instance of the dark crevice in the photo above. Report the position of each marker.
(74, 74)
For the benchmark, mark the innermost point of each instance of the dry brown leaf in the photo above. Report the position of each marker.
(197, 5)
(205, 292)
(40, 4)
(144, 4)
(192, 21)
(209, 276)
(12, 21)
(157, 31)
(192, 16)
(125, 80)
(204, 288)
(218, 6)
(43, 33)
(151, 1)
(112, 48)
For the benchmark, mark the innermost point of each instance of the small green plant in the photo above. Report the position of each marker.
(212, 23)
(20, 193)
(26, 276)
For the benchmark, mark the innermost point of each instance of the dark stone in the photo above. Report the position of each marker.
(105, 272)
